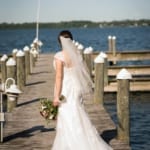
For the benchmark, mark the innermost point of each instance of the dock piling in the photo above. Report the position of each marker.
(88, 58)
(99, 80)
(123, 106)
(14, 52)
(110, 43)
(3, 71)
(21, 79)
(27, 61)
(114, 45)
(102, 54)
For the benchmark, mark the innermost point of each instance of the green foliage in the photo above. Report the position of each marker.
(76, 24)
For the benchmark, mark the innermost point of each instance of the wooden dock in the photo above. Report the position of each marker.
(26, 129)
(140, 81)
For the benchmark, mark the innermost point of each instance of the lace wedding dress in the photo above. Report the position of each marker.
(74, 129)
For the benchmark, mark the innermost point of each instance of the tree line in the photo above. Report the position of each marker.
(76, 24)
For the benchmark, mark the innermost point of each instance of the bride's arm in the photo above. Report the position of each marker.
(58, 81)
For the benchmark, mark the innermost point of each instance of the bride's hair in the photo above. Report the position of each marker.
(68, 35)
(74, 60)
(65, 34)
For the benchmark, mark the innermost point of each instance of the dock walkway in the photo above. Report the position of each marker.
(24, 127)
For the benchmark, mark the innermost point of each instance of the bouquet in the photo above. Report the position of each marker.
(47, 110)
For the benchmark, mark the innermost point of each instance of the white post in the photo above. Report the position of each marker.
(110, 43)
(114, 45)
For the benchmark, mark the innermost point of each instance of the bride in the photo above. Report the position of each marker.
(74, 129)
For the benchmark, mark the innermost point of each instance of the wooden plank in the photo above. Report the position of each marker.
(134, 70)
(129, 56)
(25, 128)
(126, 55)
(134, 86)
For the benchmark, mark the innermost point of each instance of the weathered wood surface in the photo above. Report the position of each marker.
(138, 86)
(140, 78)
(25, 128)
(140, 73)
(134, 70)
(126, 55)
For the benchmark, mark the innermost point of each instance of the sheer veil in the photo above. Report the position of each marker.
(79, 68)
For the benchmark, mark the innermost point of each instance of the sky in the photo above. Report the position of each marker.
(21, 11)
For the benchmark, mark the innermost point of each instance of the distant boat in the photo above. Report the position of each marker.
(85, 26)
(100, 26)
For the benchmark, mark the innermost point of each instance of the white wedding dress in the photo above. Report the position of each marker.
(74, 129)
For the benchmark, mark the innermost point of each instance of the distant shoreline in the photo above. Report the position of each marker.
(76, 24)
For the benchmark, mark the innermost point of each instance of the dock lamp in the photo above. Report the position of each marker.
(12, 93)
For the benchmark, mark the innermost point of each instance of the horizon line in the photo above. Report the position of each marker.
(146, 19)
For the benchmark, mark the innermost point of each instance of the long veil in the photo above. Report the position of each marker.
(80, 70)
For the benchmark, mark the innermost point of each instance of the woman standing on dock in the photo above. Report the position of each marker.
(74, 129)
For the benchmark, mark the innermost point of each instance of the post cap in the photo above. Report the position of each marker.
(4, 57)
(32, 45)
(88, 50)
(15, 50)
(20, 53)
(109, 37)
(114, 37)
(26, 48)
(76, 43)
(11, 62)
(99, 59)
(124, 74)
(102, 54)
(80, 47)
(35, 40)
(40, 43)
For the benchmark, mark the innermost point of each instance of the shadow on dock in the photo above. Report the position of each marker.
(28, 133)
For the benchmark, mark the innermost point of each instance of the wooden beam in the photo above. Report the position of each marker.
(134, 70)
(127, 55)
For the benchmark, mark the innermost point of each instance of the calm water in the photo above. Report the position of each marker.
(139, 118)
(127, 39)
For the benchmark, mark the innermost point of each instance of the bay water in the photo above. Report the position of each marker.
(127, 39)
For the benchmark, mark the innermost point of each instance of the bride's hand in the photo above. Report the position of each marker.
(56, 102)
